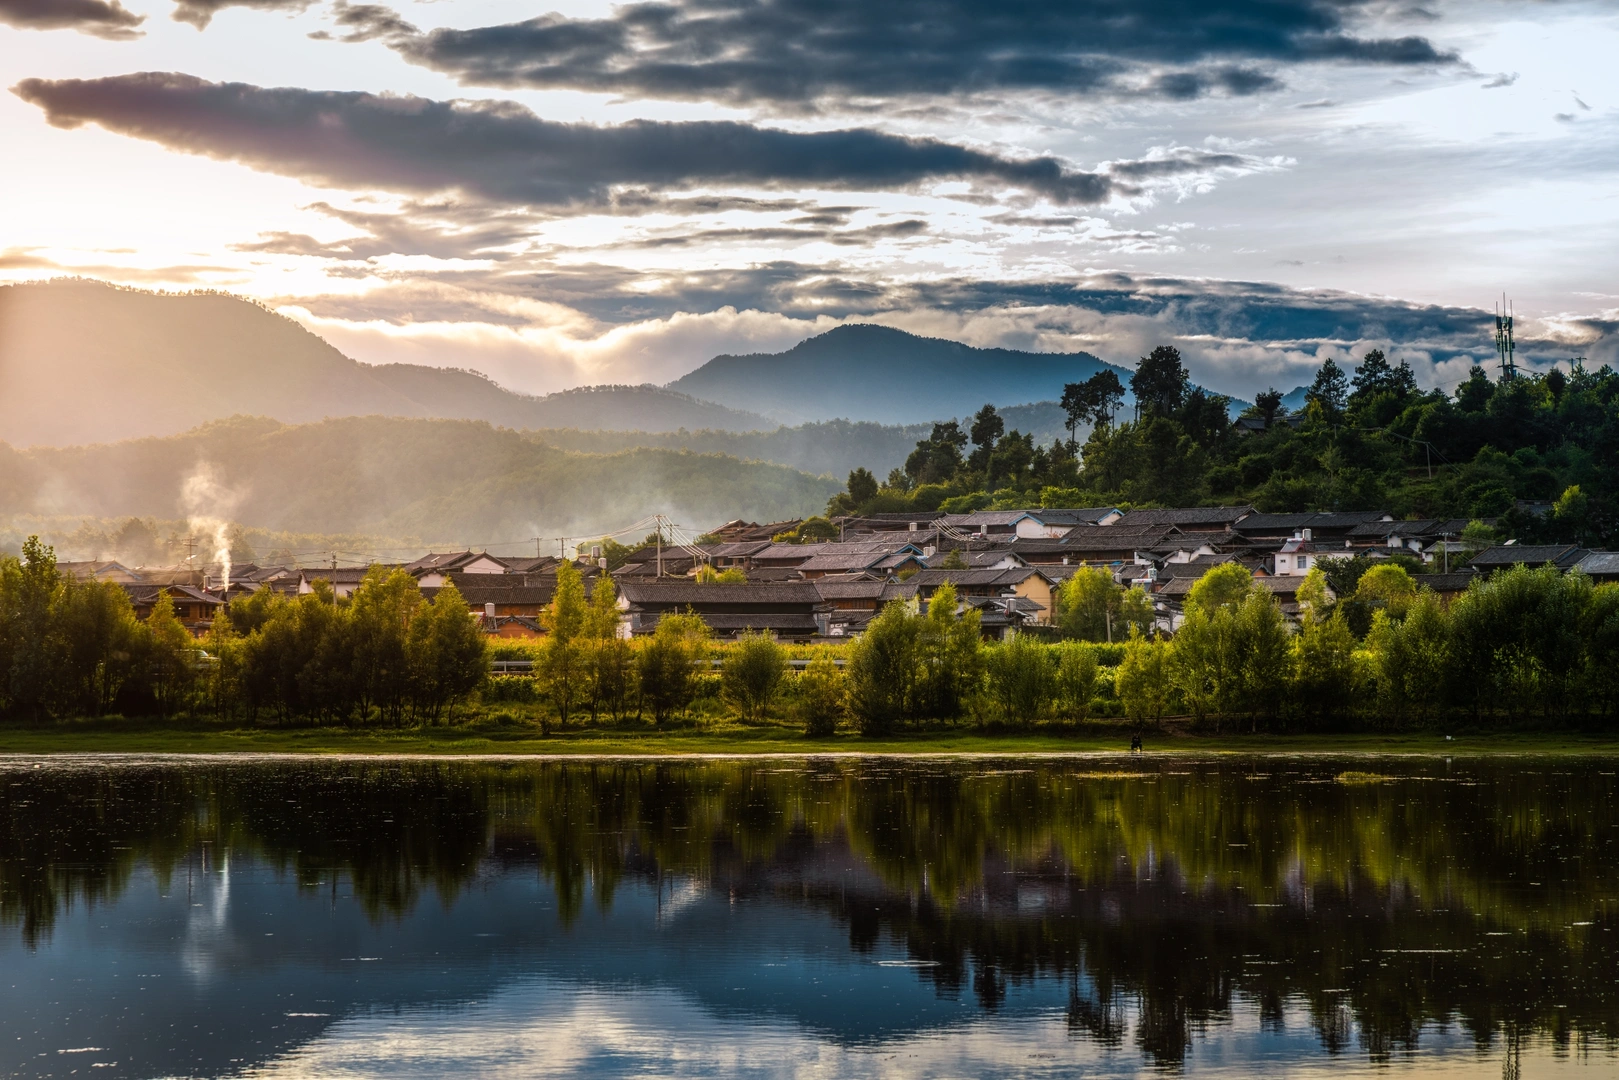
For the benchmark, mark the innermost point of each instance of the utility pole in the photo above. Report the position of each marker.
(660, 545)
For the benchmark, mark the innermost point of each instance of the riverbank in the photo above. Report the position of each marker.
(145, 737)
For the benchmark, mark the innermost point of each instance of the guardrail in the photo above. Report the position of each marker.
(526, 667)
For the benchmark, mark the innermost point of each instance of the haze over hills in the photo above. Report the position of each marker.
(83, 362)
(86, 362)
(832, 447)
(445, 481)
(866, 372)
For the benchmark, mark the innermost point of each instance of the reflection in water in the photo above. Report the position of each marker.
(834, 917)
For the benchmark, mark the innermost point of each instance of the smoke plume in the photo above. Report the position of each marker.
(208, 504)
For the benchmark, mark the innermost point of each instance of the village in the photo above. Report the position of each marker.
(1008, 565)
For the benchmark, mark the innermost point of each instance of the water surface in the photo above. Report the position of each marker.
(1243, 917)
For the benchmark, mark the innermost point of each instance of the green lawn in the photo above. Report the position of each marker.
(147, 737)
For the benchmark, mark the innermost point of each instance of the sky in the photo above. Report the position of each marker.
(572, 193)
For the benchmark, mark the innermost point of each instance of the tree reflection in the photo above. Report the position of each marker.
(1165, 900)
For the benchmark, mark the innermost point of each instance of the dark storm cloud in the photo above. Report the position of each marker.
(502, 152)
(794, 53)
(102, 18)
(200, 13)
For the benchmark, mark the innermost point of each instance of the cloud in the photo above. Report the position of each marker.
(365, 22)
(100, 18)
(794, 54)
(544, 331)
(1501, 80)
(437, 230)
(200, 13)
(810, 232)
(502, 152)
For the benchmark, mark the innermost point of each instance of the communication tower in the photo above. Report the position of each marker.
(1503, 339)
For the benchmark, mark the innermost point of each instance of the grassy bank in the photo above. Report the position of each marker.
(153, 737)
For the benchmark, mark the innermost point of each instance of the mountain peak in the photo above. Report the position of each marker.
(864, 371)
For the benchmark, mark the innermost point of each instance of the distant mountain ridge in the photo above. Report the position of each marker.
(447, 481)
(87, 362)
(83, 362)
(868, 372)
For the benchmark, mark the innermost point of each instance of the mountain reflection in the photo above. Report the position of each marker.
(1155, 903)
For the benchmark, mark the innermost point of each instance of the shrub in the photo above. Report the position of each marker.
(752, 674)
(883, 669)
(666, 664)
(1142, 680)
(1022, 679)
(821, 696)
(1076, 679)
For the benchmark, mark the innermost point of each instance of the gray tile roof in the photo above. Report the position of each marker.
(1560, 555)
(683, 593)
(1444, 583)
(1600, 564)
(1189, 517)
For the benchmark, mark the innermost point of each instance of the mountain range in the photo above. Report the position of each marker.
(866, 372)
(86, 362)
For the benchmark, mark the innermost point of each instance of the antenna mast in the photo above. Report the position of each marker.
(1503, 340)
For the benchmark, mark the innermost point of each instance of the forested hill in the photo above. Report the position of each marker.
(445, 481)
(84, 361)
(1538, 452)
(866, 372)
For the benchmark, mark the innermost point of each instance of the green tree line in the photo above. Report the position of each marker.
(1368, 438)
(383, 655)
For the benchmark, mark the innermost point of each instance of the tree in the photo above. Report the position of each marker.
(938, 457)
(1571, 515)
(379, 616)
(1076, 678)
(862, 487)
(30, 650)
(1143, 679)
(562, 667)
(1085, 604)
(615, 553)
(948, 654)
(610, 660)
(1268, 405)
(1021, 679)
(752, 673)
(1386, 587)
(169, 651)
(1475, 392)
(1076, 406)
(448, 654)
(1411, 658)
(98, 631)
(820, 696)
(1324, 665)
(883, 670)
(1223, 586)
(1329, 393)
(1095, 401)
(987, 427)
(666, 664)
(1160, 383)
(1231, 652)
